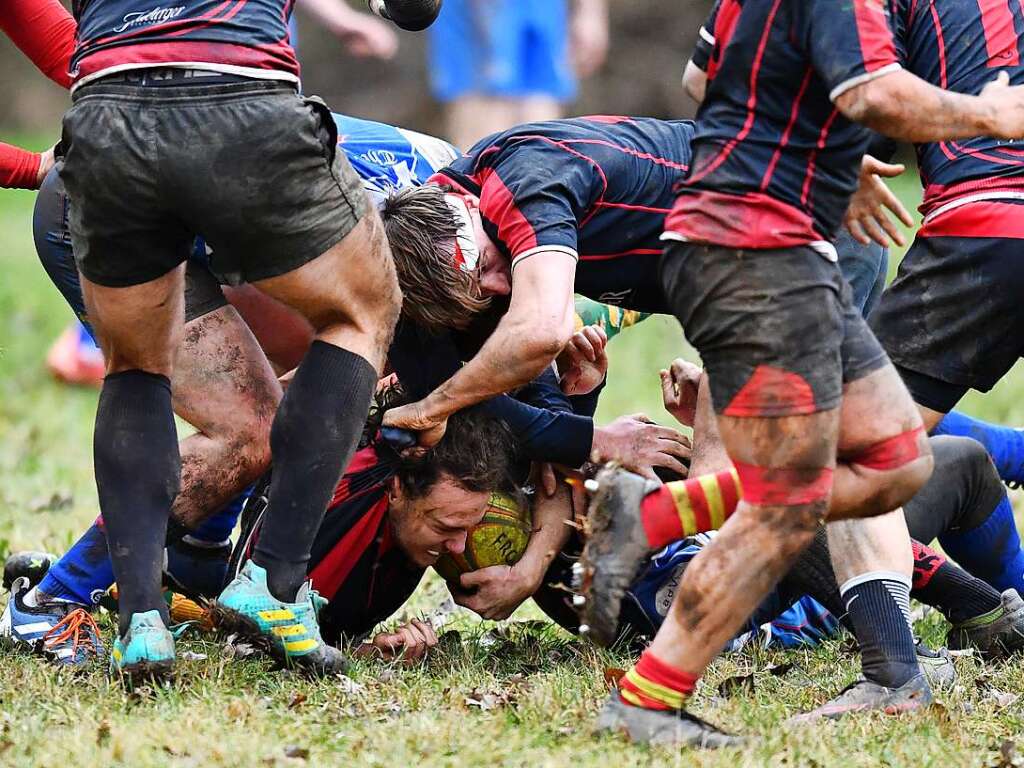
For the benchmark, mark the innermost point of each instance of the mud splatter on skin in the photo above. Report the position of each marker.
(225, 388)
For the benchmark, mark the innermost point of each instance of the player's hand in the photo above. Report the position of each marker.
(1005, 106)
(640, 445)
(866, 218)
(583, 363)
(414, 416)
(679, 390)
(495, 593)
(366, 37)
(45, 166)
(410, 642)
(588, 40)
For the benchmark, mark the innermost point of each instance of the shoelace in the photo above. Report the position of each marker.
(74, 627)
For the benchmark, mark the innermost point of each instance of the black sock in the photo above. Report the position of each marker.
(812, 575)
(138, 471)
(947, 587)
(313, 437)
(878, 606)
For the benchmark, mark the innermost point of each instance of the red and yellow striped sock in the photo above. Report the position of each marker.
(653, 684)
(688, 507)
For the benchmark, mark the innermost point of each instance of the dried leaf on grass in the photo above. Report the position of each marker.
(296, 753)
(1009, 756)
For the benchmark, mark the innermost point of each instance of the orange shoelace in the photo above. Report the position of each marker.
(74, 627)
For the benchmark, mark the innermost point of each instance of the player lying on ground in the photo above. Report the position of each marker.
(389, 520)
(500, 219)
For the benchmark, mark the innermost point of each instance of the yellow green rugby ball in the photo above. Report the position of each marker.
(499, 539)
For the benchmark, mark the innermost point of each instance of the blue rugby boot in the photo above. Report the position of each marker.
(146, 653)
(289, 632)
(62, 631)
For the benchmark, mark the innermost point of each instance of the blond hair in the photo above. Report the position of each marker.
(421, 229)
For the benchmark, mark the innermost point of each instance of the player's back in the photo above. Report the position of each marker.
(961, 46)
(774, 161)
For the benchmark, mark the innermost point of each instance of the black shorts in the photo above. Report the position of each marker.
(776, 329)
(952, 318)
(203, 293)
(251, 165)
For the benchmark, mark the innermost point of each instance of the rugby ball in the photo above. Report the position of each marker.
(499, 539)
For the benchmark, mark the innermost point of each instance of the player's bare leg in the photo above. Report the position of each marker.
(350, 296)
(136, 449)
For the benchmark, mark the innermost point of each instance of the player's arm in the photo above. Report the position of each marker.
(695, 75)
(45, 32)
(362, 35)
(22, 169)
(588, 34)
(499, 590)
(538, 324)
(903, 106)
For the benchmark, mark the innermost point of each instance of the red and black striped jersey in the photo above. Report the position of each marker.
(774, 162)
(248, 37)
(961, 45)
(596, 187)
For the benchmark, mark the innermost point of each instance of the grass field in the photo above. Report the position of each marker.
(517, 694)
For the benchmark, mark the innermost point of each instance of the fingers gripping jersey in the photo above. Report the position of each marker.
(597, 188)
(245, 36)
(389, 158)
(961, 46)
(774, 161)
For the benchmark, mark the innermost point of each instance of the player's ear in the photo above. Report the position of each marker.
(394, 489)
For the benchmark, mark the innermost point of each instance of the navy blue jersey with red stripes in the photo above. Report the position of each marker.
(774, 162)
(961, 45)
(595, 187)
(247, 36)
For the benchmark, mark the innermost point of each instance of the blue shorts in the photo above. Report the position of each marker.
(510, 48)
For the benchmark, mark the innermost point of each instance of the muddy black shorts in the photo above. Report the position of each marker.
(251, 165)
(952, 319)
(52, 237)
(776, 329)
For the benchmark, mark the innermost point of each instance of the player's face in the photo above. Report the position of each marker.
(494, 271)
(437, 523)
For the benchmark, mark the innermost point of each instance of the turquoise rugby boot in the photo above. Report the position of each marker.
(146, 653)
(289, 632)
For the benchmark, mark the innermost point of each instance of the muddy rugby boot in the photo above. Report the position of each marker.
(60, 630)
(865, 696)
(996, 634)
(649, 726)
(145, 655)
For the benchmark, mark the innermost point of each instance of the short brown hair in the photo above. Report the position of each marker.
(421, 230)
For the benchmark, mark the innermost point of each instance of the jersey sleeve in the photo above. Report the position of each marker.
(45, 32)
(19, 168)
(849, 42)
(706, 40)
(534, 199)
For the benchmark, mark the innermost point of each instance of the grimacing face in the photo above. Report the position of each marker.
(494, 277)
(437, 523)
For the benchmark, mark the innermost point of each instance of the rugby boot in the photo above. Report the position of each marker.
(32, 565)
(996, 634)
(615, 552)
(649, 726)
(146, 652)
(865, 696)
(289, 632)
(62, 631)
(937, 666)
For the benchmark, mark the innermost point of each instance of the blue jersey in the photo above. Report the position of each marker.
(597, 188)
(774, 161)
(774, 624)
(389, 158)
(243, 36)
(961, 46)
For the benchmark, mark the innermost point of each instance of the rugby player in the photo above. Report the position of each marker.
(949, 318)
(816, 422)
(227, 79)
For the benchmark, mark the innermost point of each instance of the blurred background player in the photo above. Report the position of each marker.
(499, 63)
